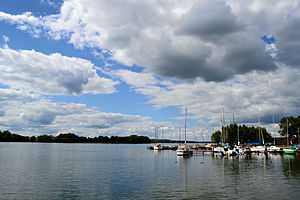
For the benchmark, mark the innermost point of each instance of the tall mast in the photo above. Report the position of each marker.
(238, 131)
(179, 135)
(223, 124)
(287, 132)
(273, 128)
(155, 133)
(258, 127)
(261, 136)
(185, 125)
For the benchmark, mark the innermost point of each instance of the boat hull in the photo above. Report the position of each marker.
(289, 151)
(158, 147)
(184, 153)
(273, 149)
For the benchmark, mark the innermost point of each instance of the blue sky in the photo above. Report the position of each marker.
(121, 67)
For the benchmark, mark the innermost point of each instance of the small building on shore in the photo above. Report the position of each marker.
(279, 140)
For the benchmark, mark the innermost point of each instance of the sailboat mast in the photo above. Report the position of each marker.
(223, 124)
(238, 131)
(258, 128)
(185, 125)
(273, 129)
(156, 133)
(260, 133)
(287, 132)
(179, 135)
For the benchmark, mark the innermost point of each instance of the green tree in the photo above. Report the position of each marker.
(215, 137)
(243, 134)
(46, 138)
(68, 138)
(32, 139)
(292, 126)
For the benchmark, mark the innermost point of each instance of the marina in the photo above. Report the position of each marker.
(236, 151)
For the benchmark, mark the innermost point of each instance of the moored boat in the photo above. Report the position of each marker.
(273, 149)
(183, 150)
(157, 147)
(220, 150)
(258, 149)
(289, 151)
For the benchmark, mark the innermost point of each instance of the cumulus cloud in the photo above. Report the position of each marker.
(106, 120)
(135, 79)
(209, 21)
(45, 116)
(246, 96)
(8, 95)
(52, 74)
(217, 45)
(5, 38)
(213, 40)
(52, 3)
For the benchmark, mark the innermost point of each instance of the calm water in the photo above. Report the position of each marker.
(105, 171)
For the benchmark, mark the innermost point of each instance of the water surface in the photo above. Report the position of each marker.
(122, 171)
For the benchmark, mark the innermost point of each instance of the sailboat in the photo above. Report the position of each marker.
(221, 149)
(273, 148)
(183, 149)
(261, 147)
(290, 150)
(157, 146)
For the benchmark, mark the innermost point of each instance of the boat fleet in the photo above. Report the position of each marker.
(223, 149)
(189, 150)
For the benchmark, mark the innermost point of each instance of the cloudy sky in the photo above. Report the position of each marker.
(121, 67)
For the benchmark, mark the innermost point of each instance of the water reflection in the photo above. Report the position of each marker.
(183, 165)
(291, 166)
(82, 171)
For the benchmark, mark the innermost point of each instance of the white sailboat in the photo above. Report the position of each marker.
(221, 149)
(260, 148)
(157, 146)
(183, 149)
(273, 148)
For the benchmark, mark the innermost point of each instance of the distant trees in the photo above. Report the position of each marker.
(244, 134)
(6, 136)
(132, 139)
(216, 136)
(46, 138)
(292, 126)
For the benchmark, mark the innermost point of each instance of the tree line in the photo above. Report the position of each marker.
(234, 133)
(289, 126)
(7, 136)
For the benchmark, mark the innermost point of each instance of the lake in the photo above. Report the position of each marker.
(130, 171)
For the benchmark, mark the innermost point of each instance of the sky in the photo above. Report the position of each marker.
(123, 67)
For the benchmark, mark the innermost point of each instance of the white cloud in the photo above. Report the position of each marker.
(246, 96)
(44, 116)
(135, 79)
(52, 74)
(52, 3)
(203, 41)
(5, 38)
(213, 40)
(8, 95)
